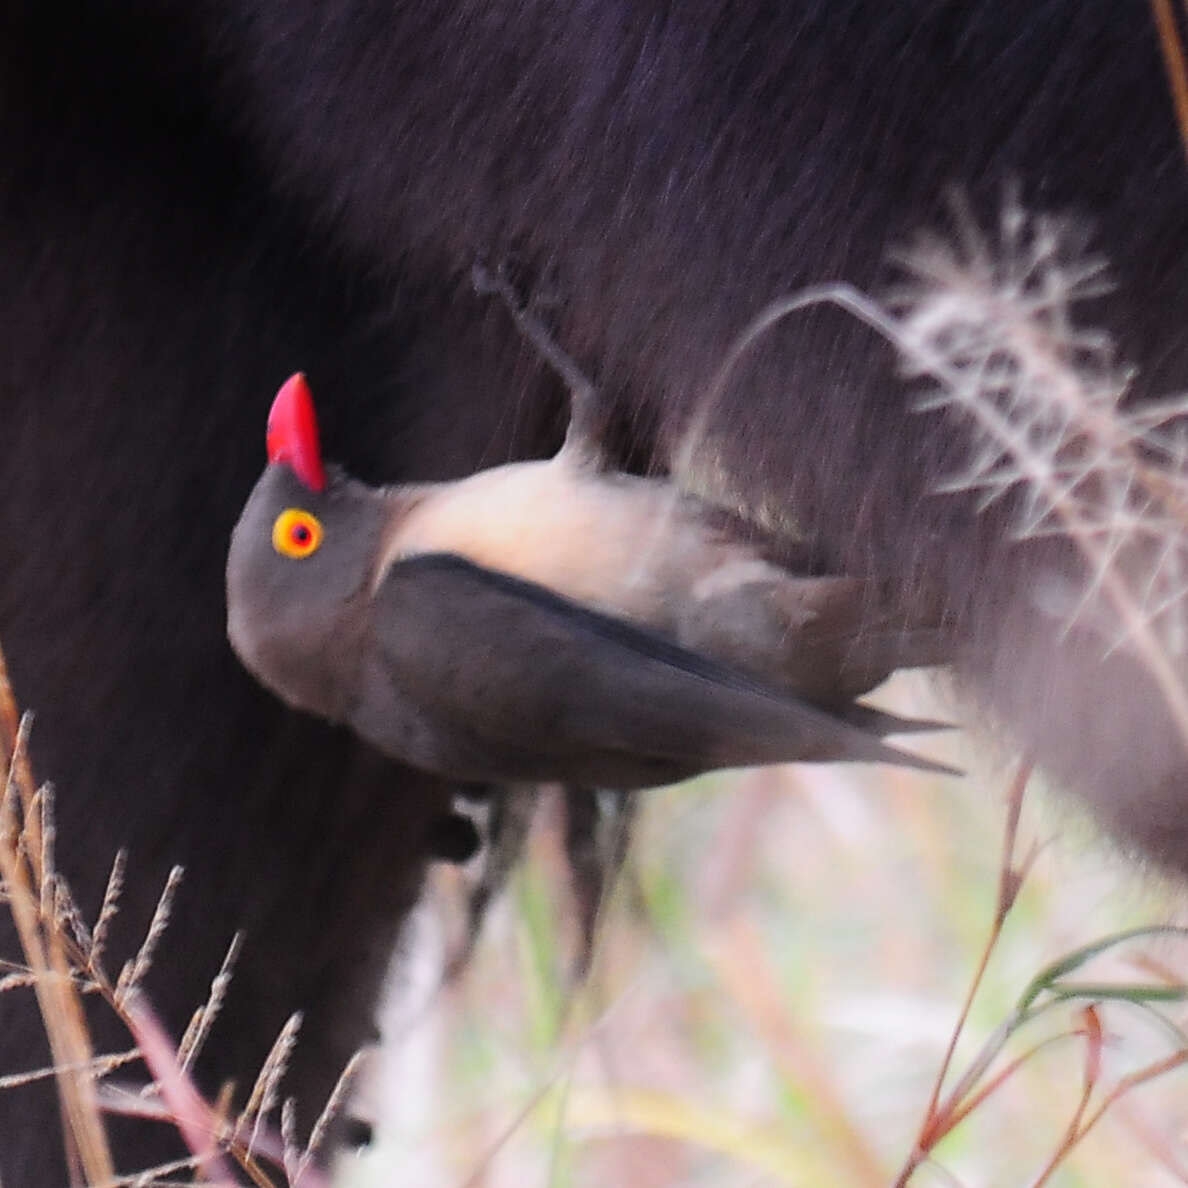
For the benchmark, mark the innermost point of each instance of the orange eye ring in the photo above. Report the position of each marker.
(296, 533)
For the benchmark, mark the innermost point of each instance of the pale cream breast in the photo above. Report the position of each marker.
(622, 544)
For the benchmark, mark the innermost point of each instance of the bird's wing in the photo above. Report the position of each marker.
(554, 690)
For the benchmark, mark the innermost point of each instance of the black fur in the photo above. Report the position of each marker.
(195, 200)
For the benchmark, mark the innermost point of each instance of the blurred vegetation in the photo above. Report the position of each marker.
(777, 978)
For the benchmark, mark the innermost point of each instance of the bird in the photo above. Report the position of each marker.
(530, 622)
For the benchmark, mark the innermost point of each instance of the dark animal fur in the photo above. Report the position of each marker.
(196, 199)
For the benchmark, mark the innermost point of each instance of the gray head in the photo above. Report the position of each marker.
(299, 577)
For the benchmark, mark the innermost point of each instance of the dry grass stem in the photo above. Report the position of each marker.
(331, 1110)
(154, 1178)
(108, 908)
(203, 1019)
(188, 1111)
(98, 1066)
(266, 1091)
(1174, 62)
(134, 971)
(25, 877)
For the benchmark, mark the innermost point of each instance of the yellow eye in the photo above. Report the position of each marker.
(296, 533)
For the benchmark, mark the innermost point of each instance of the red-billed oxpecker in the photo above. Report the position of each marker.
(544, 620)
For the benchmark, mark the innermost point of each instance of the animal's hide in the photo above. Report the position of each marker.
(197, 200)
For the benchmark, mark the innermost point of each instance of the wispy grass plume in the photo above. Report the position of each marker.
(990, 327)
